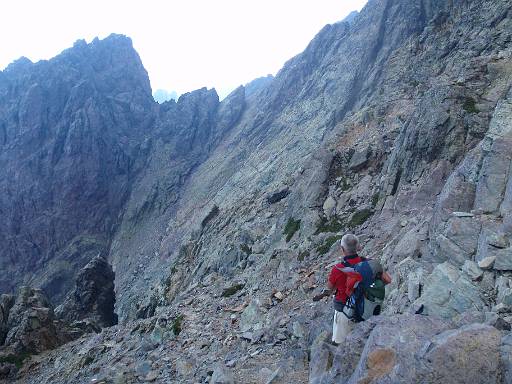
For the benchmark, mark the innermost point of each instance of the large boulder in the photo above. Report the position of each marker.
(412, 349)
(30, 323)
(93, 297)
(448, 292)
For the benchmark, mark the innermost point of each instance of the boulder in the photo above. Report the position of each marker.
(411, 244)
(252, 317)
(503, 259)
(93, 297)
(470, 354)
(464, 232)
(487, 263)
(221, 375)
(448, 292)
(504, 291)
(457, 240)
(490, 241)
(472, 270)
(433, 349)
(359, 159)
(329, 206)
(493, 176)
(31, 327)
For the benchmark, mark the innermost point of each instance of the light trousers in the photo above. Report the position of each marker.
(341, 326)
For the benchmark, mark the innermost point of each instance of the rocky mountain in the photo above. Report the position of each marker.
(219, 218)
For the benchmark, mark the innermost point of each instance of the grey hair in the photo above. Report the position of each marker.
(350, 243)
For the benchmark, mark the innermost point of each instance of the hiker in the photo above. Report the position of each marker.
(350, 281)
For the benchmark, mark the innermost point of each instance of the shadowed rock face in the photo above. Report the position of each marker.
(78, 135)
(71, 132)
(30, 323)
(93, 297)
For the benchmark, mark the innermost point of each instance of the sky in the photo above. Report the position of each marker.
(184, 45)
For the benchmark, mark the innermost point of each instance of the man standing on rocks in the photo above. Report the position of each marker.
(364, 271)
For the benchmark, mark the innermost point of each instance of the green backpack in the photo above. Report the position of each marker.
(376, 291)
(373, 298)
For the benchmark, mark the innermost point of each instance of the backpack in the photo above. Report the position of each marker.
(359, 286)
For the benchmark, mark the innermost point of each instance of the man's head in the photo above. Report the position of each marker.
(349, 244)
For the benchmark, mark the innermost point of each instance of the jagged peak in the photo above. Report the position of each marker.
(18, 64)
(200, 93)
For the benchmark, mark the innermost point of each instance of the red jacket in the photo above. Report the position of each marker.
(339, 279)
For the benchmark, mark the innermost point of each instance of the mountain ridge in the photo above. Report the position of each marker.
(394, 126)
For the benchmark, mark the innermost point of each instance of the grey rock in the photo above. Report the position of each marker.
(359, 159)
(503, 260)
(411, 244)
(93, 297)
(298, 330)
(31, 326)
(506, 357)
(493, 176)
(498, 240)
(487, 263)
(274, 376)
(463, 232)
(501, 308)
(473, 270)
(462, 214)
(416, 83)
(448, 292)
(329, 206)
(449, 250)
(504, 291)
(231, 363)
(435, 353)
(414, 285)
(447, 355)
(252, 317)
(221, 376)
(490, 241)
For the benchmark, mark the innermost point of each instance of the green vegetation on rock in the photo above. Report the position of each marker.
(88, 360)
(324, 248)
(360, 217)
(232, 290)
(17, 360)
(302, 255)
(246, 249)
(470, 105)
(344, 184)
(177, 324)
(375, 199)
(291, 227)
(334, 225)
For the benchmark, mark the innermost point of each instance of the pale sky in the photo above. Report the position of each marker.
(184, 45)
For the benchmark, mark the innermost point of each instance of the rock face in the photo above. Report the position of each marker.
(93, 297)
(418, 349)
(70, 137)
(30, 323)
(220, 218)
(448, 293)
(82, 144)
